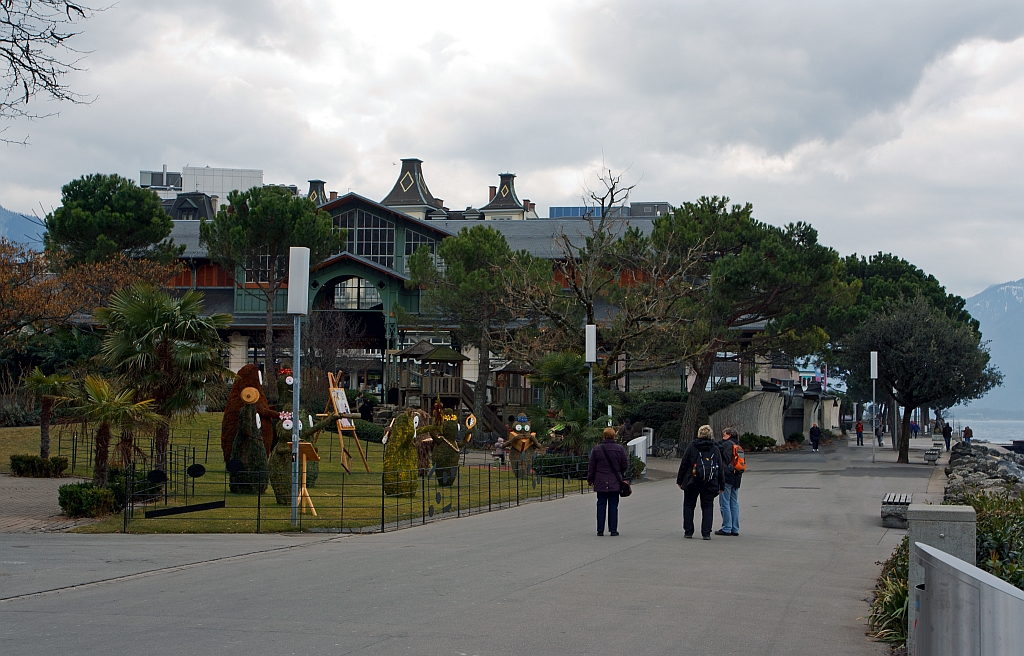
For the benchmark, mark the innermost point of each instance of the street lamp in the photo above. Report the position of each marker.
(298, 305)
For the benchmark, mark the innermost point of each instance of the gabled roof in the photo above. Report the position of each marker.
(351, 197)
(410, 189)
(505, 198)
(345, 256)
(418, 349)
(443, 354)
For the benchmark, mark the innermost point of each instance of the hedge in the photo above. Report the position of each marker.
(86, 500)
(36, 467)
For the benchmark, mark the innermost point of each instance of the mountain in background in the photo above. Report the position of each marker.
(1000, 310)
(21, 228)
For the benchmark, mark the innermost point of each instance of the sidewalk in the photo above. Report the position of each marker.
(29, 505)
(533, 579)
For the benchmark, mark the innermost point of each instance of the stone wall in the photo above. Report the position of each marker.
(757, 412)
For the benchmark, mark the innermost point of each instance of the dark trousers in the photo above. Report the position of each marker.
(860, 438)
(814, 444)
(947, 442)
(707, 510)
(608, 501)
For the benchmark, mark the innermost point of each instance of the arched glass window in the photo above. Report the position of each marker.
(356, 294)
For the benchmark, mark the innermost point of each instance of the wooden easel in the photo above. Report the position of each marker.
(345, 424)
(306, 452)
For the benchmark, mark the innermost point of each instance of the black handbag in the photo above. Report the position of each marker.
(624, 487)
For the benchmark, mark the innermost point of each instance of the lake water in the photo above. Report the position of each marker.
(997, 431)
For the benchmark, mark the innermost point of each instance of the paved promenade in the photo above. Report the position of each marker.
(531, 580)
(29, 505)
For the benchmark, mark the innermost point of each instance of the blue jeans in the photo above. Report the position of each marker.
(609, 501)
(729, 504)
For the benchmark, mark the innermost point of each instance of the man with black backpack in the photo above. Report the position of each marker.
(700, 477)
(734, 463)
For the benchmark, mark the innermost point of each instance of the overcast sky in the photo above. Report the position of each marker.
(893, 126)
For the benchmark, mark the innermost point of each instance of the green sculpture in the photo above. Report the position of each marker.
(281, 454)
(248, 448)
(400, 458)
(446, 452)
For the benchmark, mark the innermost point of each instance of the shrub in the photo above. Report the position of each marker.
(1000, 532)
(888, 619)
(85, 500)
(669, 430)
(13, 416)
(369, 431)
(657, 413)
(636, 467)
(723, 397)
(36, 467)
(446, 459)
(558, 465)
(752, 442)
(797, 437)
(400, 473)
(117, 483)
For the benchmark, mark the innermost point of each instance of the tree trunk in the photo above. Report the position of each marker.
(904, 436)
(896, 425)
(102, 454)
(693, 413)
(45, 409)
(480, 393)
(269, 366)
(161, 443)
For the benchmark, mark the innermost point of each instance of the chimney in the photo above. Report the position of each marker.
(493, 193)
(334, 195)
(215, 201)
(526, 204)
(440, 201)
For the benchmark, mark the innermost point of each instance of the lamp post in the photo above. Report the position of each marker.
(591, 353)
(298, 305)
(874, 409)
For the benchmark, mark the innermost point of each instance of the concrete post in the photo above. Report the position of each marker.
(950, 529)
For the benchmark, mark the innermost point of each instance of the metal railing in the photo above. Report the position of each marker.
(215, 500)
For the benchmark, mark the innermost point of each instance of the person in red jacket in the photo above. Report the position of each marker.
(860, 433)
(608, 465)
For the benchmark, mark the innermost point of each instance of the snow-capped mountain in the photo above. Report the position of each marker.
(21, 228)
(1000, 310)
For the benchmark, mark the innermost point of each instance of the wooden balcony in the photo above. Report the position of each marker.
(442, 386)
(518, 396)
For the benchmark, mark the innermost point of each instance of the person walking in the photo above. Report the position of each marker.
(860, 433)
(815, 437)
(968, 435)
(734, 465)
(626, 431)
(700, 477)
(914, 429)
(608, 465)
(947, 434)
(878, 435)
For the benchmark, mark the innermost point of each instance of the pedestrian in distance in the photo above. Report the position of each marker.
(734, 464)
(626, 431)
(860, 433)
(914, 429)
(815, 437)
(968, 435)
(878, 435)
(701, 478)
(608, 466)
(947, 434)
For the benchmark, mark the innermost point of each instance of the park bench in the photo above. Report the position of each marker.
(894, 509)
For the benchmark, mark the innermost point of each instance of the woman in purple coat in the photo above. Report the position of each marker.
(608, 464)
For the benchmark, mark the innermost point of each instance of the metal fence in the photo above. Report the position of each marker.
(200, 499)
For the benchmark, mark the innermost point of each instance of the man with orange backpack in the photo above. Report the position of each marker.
(733, 465)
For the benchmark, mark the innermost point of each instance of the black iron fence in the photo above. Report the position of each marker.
(190, 497)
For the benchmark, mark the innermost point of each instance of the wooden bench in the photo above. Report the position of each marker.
(894, 509)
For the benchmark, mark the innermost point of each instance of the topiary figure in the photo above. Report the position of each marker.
(249, 449)
(280, 463)
(247, 378)
(446, 453)
(400, 458)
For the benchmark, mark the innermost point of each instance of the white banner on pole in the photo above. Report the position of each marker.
(874, 365)
(591, 342)
(298, 280)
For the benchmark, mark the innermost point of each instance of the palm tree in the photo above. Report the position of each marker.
(112, 409)
(165, 348)
(51, 389)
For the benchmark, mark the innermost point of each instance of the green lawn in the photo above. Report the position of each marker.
(342, 500)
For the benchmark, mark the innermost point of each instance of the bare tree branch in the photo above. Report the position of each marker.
(36, 54)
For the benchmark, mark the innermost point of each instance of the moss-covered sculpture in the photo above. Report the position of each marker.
(281, 454)
(521, 446)
(400, 459)
(446, 451)
(248, 448)
(248, 377)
